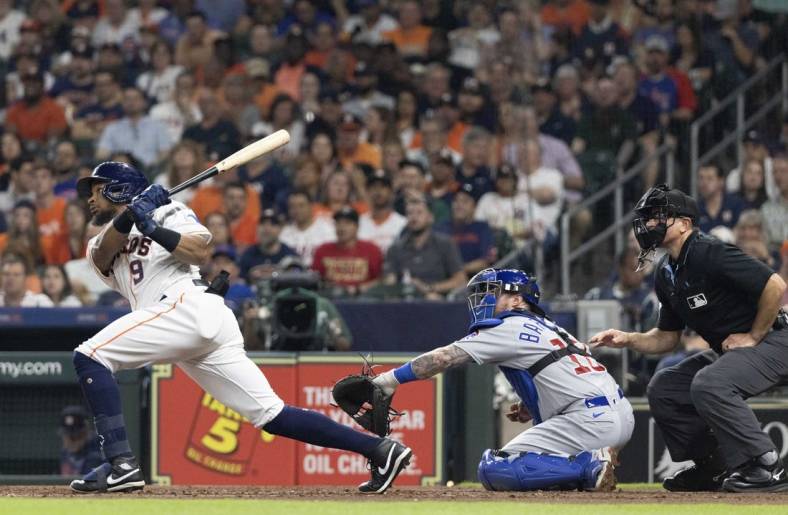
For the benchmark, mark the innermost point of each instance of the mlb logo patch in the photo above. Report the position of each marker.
(697, 301)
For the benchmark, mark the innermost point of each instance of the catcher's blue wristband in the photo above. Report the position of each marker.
(405, 374)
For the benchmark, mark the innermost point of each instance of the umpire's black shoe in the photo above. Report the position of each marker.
(762, 474)
(694, 479)
(387, 461)
(123, 475)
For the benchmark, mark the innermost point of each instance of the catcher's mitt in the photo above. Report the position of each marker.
(366, 402)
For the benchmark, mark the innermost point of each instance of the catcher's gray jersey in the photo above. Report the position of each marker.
(522, 339)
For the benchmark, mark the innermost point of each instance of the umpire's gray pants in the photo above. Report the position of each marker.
(700, 405)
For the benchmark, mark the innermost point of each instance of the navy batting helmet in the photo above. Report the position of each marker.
(485, 287)
(122, 182)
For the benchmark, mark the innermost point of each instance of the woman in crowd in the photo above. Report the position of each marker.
(186, 160)
(339, 192)
(753, 184)
(56, 285)
(323, 151)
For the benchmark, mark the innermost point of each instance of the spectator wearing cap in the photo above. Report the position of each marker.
(474, 168)
(225, 258)
(571, 14)
(80, 450)
(350, 148)
(775, 211)
(443, 179)
(545, 186)
(506, 208)
(366, 93)
(601, 38)
(715, 206)
(195, 47)
(158, 83)
(350, 264)
(474, 105)
(182, 109)
(91, 120)
(13, 290)
(243, 226)
(36, 117)
(552, 121)
(259, 261)
(264, 90)
(145, 138)
(115, 26)
(473, 238)
(381, 225)
(656, 84)
(754, 149)
(10, 22)
(369, 25)
(75, 89)
(422, 259)
(411, 37)
(214, 132)
(305, 232)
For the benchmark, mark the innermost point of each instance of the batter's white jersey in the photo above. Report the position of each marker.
(519, 342)
(144, 271)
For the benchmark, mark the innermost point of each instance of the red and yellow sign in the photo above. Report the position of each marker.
(198, 440)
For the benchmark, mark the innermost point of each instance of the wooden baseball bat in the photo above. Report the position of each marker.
(243, 156)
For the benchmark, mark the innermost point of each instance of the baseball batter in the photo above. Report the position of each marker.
(580, 415)
(149, 250)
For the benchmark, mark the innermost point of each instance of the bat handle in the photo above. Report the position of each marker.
(210, 172)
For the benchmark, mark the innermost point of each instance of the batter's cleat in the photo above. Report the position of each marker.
(762, 474)
(607, 460)
(387, 461)
(123, 475)
(694, 479)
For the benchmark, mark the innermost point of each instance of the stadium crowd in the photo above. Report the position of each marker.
(428, 138)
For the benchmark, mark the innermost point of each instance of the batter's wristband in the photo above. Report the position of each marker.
(405, 374)
(165, 237)
(123, 222)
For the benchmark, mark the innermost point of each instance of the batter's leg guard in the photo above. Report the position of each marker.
(102, 393)
(535, 471)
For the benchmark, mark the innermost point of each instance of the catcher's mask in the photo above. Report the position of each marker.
(485, 287)
(659, 204)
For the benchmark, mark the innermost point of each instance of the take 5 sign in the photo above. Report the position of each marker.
(195, 439)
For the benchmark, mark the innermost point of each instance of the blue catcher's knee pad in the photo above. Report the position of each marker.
(535, 471)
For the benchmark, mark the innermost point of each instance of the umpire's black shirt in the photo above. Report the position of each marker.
(713, 287)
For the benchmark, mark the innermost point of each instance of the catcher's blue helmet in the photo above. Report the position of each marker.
(484, 288)
(122, 182)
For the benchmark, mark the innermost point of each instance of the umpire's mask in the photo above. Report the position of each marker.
(660, 203)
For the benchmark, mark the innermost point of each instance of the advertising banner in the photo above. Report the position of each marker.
(195, 439)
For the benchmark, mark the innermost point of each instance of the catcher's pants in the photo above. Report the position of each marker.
(708, 392)
(579, 428)
(198, 333)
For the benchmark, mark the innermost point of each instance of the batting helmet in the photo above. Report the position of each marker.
(122, 182)
(485, 287)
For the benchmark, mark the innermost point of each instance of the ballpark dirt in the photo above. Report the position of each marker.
(436, 493)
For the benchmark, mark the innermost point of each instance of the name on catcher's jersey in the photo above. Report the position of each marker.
(522, 340)
(143, 270)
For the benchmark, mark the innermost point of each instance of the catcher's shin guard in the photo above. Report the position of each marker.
(535, 471)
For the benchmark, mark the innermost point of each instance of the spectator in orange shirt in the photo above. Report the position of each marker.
(288, 76)
(50, 213)
(73, 241)
(559, 14)
(210, 198)
(36, 117)
(350, 148)
(350, 265)
(412, 37)
(243, 227)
